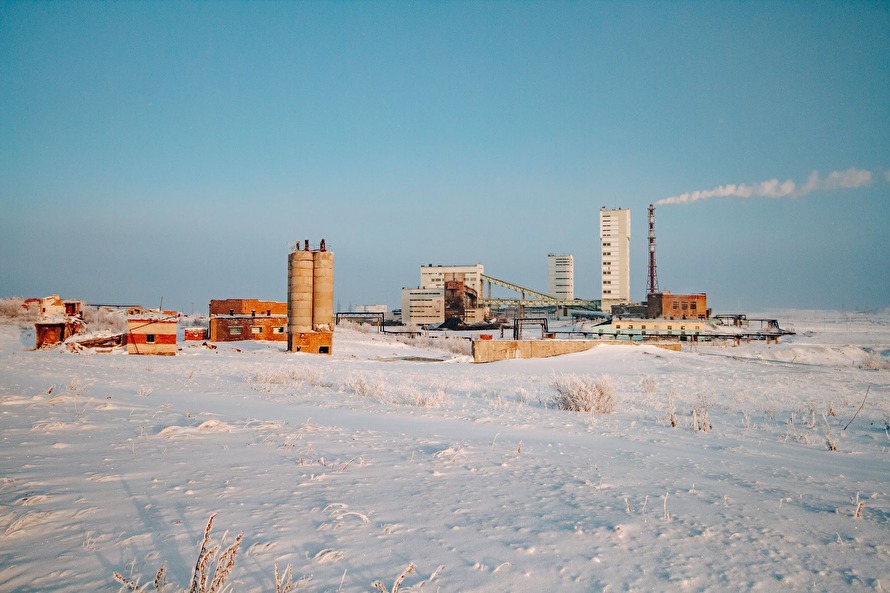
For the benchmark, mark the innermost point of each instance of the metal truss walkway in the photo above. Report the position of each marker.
(540, 299)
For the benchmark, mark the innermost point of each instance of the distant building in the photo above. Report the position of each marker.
(435, 276)
(561, 276)
(615, 245)
(668, 305)
(152, 332)
(444, 292)
(371, 309)
(232, 320)
(423, 306)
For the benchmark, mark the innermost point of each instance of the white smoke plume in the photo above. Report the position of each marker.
(774, 188)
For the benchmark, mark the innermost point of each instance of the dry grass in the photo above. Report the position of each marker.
(581, 393)
(216, 561)
(212, 569)
(397, 583)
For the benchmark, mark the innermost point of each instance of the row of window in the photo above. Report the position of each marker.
(236, 331)
(677, 305)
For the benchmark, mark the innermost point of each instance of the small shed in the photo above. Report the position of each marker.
(152, 332)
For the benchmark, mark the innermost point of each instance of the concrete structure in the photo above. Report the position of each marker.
(435, 276)
(423, 306)
(232, 320)
(495, 350)
(461, 302)
(445, 292)
(310, 299)
(561, 276)
(677, 306)
(615, 244)
(152, 332)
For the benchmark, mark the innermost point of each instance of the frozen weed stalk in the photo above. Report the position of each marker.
(212, 569)
(583, 393)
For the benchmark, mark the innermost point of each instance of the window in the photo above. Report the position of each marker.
(675, 305)
(256, 330)
(692, 305)
(279, 329)
(234, 331)
(149, 338)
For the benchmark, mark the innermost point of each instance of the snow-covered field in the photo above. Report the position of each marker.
(350, 467)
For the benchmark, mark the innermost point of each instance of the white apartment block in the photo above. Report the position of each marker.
(561, 276)
(435, 276)
(615, 242)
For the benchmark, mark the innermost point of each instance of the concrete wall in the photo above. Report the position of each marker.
(495, 350)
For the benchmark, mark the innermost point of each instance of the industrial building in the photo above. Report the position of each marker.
(423, 306)
(561, 276)
(435, 276)
(445, 292)
(668, 305)
(310, 299)
(615, 245)
(233, 320)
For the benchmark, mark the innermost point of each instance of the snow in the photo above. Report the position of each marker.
(351, 466)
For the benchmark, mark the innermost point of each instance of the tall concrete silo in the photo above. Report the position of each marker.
(323, 291)
(310, 299)
(299, 291)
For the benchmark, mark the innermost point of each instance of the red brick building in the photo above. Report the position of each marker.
(152, 332)
(677, 306)
(232, 320)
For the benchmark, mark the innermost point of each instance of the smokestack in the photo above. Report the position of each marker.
(653, 275)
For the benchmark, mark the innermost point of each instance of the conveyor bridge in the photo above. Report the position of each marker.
(539, 299)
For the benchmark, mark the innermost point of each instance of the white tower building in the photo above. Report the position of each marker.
(561, 276)
(615, 241)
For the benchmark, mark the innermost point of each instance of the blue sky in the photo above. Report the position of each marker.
(177, 149)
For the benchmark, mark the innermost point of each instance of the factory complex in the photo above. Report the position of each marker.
(449, 298)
